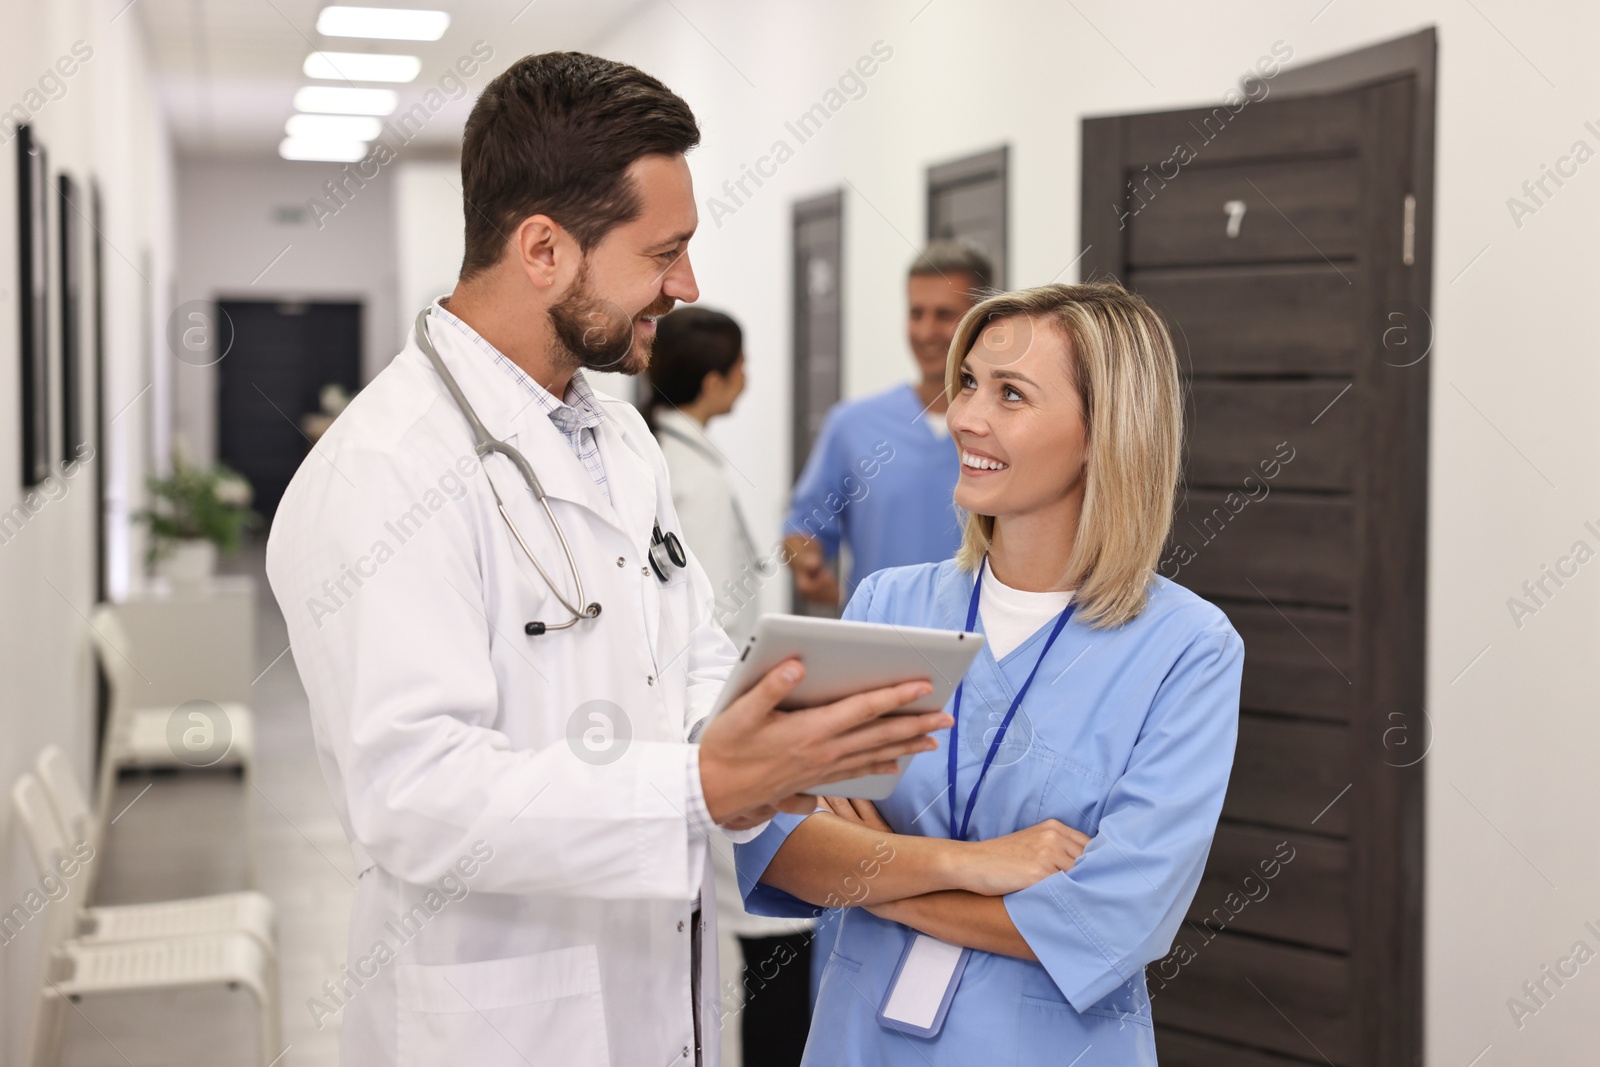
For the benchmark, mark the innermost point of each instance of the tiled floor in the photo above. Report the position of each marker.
(181, 836)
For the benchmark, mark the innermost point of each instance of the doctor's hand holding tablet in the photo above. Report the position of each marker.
(755, 760)
(827, 707)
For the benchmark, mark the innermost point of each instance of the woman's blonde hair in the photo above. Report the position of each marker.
(1126, 374)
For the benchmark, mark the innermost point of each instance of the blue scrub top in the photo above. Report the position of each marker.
(882, 481)
(1127, 735)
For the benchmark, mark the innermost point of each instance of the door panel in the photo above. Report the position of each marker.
(1297, 660)
(1294, 320)
(1294, 434)
(1308, 126)
(1292, 211)
(1179, 1049)
(1287, 773)
(1280, 546)
(1295, 1001)
(1248, 872)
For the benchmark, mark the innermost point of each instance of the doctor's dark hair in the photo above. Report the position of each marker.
(1125, 372)
(554, 135)
(690, 343)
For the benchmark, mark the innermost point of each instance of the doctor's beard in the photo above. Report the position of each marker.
(597, 334)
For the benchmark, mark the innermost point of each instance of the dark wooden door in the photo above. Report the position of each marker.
(281, 355)
(967, 199)
(818, 314)
(1273, 238)
(818, 317)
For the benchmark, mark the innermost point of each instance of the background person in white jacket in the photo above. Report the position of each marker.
(476, 734)
(697, 372)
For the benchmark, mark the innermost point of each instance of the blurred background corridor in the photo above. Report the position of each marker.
(1370, 227)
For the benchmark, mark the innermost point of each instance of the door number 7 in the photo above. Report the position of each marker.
(1235, 210)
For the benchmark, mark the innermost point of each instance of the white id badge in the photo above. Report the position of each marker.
(923, 985)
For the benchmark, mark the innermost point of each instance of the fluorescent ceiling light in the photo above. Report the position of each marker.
(333, 127)
(362, 67)
(388, 23)
(339, 100)
(327, 151)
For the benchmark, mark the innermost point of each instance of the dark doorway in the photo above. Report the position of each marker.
(282, 353)
(1286, 241)
(818, 309)
(967, 200)
(818, 317)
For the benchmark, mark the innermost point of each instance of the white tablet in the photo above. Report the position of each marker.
(844, 658)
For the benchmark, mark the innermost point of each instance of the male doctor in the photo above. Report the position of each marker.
(528, 809)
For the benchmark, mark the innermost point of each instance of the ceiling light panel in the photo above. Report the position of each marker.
(333, 127)
(324, 151)
(362, 67)
(384, 23)
(341, 100)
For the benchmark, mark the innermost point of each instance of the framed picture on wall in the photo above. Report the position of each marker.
(97, 341)
(70, 226)
(33, 287)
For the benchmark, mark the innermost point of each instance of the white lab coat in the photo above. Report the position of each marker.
(516, 904)
(713, 523)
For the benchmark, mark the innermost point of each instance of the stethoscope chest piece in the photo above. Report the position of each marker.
(666, 551)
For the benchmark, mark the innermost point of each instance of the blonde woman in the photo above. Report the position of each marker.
(1010, 892)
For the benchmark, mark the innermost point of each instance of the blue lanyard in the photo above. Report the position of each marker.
(1000, 735)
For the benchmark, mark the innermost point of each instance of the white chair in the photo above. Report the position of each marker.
(73, 968)
(246, 912)
(138, 737)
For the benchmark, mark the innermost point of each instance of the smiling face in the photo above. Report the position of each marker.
(1018, 420)
(934, 306)
(634, 274)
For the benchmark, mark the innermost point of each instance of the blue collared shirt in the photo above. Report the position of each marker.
(881, 481)
(576, 416)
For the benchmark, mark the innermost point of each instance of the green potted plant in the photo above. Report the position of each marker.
(194, 512)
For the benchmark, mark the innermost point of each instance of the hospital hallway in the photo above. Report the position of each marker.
(177, 836)
(1197, 395)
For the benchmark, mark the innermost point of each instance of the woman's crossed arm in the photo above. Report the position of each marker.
(847, 856)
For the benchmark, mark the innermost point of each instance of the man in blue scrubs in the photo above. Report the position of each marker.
(883, 470)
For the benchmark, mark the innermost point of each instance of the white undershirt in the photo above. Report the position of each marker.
(937, 423)
(1011, 616)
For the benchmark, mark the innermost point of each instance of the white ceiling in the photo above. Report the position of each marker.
(227, 69)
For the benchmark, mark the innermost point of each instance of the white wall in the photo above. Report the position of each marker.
(1511, 785)
(267, 229)
(100, 122)
(429, 232)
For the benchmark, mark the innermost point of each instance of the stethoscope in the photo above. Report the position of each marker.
(666, 551)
